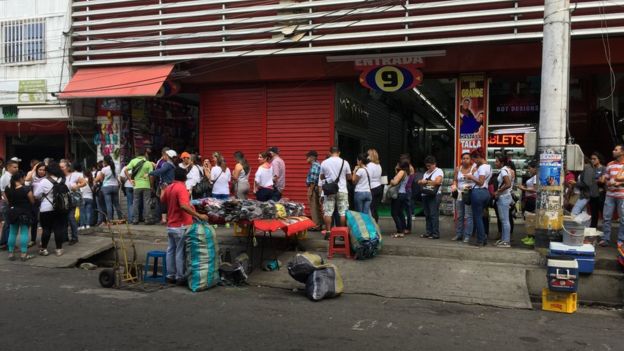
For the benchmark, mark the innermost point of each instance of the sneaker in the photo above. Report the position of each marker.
(503, 244)
(87, 227)
(529, 242)
(81, 228)
(456, 238)
(59, 252)
(73, 242)
(31, 243)
(466, 240)
(525, 238)
(43, 252)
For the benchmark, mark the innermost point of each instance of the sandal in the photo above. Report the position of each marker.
(398, 235)
(26, 257)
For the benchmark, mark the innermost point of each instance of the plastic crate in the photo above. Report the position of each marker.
(559, 301)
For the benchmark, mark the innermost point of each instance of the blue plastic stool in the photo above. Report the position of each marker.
(155, 277)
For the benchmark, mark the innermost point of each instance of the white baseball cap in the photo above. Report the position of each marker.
(171, 153)
(16, 159)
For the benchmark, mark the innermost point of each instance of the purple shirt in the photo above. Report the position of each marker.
(279, 171)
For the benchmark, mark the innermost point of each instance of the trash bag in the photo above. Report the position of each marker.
(324, 282)
(232, 274)
(364, 235)
(302, 265)
(202, 258)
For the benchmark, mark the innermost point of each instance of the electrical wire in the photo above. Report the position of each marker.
(604, 35)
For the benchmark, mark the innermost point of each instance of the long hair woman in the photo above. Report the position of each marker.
(504, 200)
(20, 200)
(377, 189)
(399, 205)
(51, 220)
(240, 176)
(480, 196)
(220, 176)
(263, 182)
(110, 188)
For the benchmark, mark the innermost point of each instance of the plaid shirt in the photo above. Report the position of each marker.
(313, 174)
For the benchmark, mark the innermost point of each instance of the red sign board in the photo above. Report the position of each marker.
(506, 140)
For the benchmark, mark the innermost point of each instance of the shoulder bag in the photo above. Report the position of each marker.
(393, 191)
(430, 190)
(332, 188)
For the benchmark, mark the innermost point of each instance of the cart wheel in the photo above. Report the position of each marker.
(107, 278)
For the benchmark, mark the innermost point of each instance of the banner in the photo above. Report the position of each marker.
(472, 114)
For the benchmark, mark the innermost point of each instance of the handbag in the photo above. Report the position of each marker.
(430, 190)
(466, 194)
(393, 192)
(75, 198)
(203, 188)
(333, 188)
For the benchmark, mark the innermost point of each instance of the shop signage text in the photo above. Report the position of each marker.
(506, 140)
(415, 61)
(14, 92)
(472, 114)
(391, 78)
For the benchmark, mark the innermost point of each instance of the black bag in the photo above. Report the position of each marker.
(60, 199)
(136, 169)
(203, 188)
(333, 188)
(466, 194)
(430, 190)
(75, 198)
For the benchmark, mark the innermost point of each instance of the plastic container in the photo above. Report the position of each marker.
(585, 255)
(573, 233)
(558, 301)
(562, 273)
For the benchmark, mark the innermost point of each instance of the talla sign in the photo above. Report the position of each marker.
(472, 114)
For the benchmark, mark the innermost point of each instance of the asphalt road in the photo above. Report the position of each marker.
(65, 309)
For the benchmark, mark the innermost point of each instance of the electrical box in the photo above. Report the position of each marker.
(530, 143)
(574, 157)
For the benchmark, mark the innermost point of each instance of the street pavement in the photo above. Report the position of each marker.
(65, 309)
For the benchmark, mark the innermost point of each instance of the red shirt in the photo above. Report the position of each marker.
(175, 196)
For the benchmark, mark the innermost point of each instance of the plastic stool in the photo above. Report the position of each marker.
(155, 277)
(339, 232)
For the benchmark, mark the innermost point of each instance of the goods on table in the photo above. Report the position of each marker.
(365, 236)
(324, 282)
(202, 258)
(235, 210)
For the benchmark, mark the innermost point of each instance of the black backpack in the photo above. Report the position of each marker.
(61, 201)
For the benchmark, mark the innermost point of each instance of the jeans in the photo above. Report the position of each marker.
(463, 226)
(223, 196)
(398, 209)
(130, 202)
(101, 207)
(86, 212)
(432, 214)
(142, 202)
(480, 198)
(503, 203)
(176, 253)
(362, 201)
(111, 199)
(377, 194)
(611, 204)
(23, 232)
(579, 206)
(73, 225)
(264, 194)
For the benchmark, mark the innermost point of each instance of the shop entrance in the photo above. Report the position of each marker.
(29, 147)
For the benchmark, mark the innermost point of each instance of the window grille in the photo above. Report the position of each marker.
(22, 41)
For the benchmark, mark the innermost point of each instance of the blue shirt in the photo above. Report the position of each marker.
(313, 174)
(165, 173)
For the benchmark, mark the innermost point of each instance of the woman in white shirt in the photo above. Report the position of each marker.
(86, 210)
(110, 187)
(220, 176)
(432, 179)
(480, 196)
(51, 221)
(362, 197)
(377, 189)
(263, 181)
(33, 179)
(463, 224)
(504, 200)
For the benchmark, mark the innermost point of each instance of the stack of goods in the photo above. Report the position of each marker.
(321, 280)
(585, 255)
(562, 276)
(235, 210)
(447, 204)
(364, 235)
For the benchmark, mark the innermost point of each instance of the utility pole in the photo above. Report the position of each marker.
(553, 119)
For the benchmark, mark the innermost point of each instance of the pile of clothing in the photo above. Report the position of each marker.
(235, 210)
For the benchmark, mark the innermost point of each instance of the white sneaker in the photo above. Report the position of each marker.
(59, 252)
(87, 227)
(81, 228)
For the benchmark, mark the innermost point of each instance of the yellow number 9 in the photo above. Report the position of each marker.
(389, 79)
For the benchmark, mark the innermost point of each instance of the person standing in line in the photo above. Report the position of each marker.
(194, 174)
(110, 188)
(529, 191)
(432, 178)
(377, 189)
(480, 196)
(409, 209)
(97, 192)
(279, 173)
(12, 166)
(362, 197)
(86, 210)
(51, 220)
(128, 192)
(583, 185)
(240, 176)
(504, 200)
(74, 181)
(335, 170)
(596, 189)
(461, 185)
(19, 199)
(220, 175)
(137, 173)
(398, 206)
(164, 173)
(180, 215)
(314, 194)
(614, 179)
(263, 182)
(33, 178)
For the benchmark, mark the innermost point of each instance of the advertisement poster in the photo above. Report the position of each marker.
(550, 169)
(472, 114)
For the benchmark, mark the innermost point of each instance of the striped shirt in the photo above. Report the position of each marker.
(614, 189)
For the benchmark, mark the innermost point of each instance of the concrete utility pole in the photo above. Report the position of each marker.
(553, 117)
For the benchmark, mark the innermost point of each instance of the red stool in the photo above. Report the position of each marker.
(339, 232)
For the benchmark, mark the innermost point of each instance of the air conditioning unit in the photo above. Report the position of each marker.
(574, 157)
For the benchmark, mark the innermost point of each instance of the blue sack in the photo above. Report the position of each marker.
(202, 257)
(364, 235)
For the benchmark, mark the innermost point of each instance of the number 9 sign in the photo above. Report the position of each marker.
(390, 79)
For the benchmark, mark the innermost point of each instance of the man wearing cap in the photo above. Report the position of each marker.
(165, 176)
(312, 181)
(279, 173)
(137, 172)
(12, 166)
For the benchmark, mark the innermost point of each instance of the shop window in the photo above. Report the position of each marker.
(22, 41)
(8, 112)
(514, 101)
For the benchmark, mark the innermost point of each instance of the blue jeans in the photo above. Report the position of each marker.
(221, 196)
(579, 206)
(503, 203)
(398, 209)
(129, 202)
(480, 198)
(463, 226)
(362, 201)
(432, 214)
(111, 199)
(176, 253)
(611, 204)
(86, 212)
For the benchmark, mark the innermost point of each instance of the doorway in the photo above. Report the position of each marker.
(29, 147)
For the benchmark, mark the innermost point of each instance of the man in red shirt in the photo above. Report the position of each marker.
(180, 214)
(614, 179)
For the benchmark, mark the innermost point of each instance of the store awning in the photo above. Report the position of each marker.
(124, 81)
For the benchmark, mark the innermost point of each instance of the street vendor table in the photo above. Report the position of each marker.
(291, 226)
